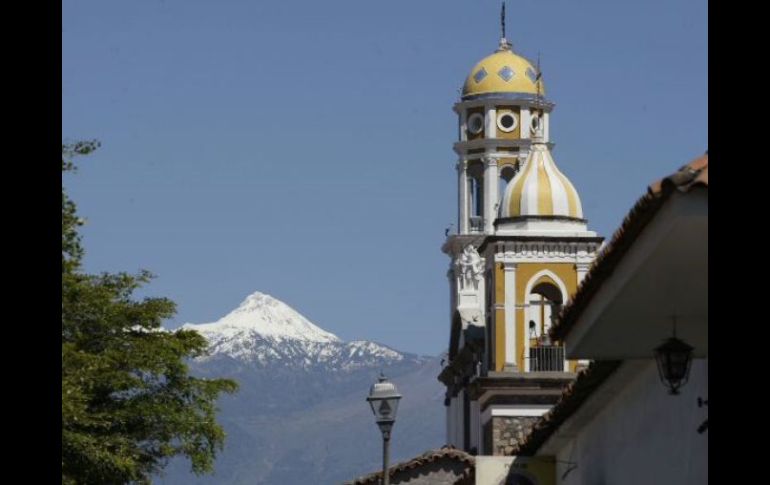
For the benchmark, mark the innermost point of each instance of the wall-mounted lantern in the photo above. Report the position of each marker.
(674, 358)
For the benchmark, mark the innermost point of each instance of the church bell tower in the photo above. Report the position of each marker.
(521, 249)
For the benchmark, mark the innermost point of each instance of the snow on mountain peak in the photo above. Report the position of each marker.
(255, 302)
(267, 317)
(265, 331)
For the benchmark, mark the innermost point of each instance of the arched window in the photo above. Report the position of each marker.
(545, 302)
(544, 299)
(476, 195)
(506, 175)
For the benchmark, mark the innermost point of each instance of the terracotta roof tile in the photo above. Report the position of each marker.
(428, 457)
(692, 175)
(574, 395)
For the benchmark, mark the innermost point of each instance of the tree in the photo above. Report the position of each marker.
(128, 401)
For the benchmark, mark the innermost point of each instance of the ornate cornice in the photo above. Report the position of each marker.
(521, 383)
(511, 252)
(489, 161)
(461, 147)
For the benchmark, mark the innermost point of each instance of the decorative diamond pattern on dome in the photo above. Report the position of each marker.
(506, 73)
(481, 74)
(531, 75)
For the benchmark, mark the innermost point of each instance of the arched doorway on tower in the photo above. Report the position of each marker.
(544, 302)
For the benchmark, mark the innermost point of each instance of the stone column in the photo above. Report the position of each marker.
(524, 121)
(510, 317)
(490, 125)
(463, 125)
(582, 270)
(490, 193)
(462, 197)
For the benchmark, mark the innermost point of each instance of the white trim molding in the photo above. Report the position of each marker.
(513, 126)
(552, 275)
(509, 275)
(508, 410)
(543, 251)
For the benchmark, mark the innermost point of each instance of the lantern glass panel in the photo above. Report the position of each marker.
(673, 359)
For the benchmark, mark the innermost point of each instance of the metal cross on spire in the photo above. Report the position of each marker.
(504, 44)
(502, 19)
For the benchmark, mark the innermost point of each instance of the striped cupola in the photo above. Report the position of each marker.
(540, 190)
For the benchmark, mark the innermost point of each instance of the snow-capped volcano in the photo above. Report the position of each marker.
(302, 393)
(267, 331)
(262, 314)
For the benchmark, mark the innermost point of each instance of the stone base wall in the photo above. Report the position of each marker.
(507, 431)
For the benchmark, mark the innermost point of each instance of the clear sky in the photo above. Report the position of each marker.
(303, 148)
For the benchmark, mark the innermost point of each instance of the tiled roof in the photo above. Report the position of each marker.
(690, 176)
(575, 394)
(693, 175)
(430, 456)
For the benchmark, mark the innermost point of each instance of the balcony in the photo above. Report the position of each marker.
(548, 358)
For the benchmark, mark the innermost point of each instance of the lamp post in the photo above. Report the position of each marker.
(383, 398)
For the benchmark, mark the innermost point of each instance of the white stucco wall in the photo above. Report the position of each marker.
(642, 435)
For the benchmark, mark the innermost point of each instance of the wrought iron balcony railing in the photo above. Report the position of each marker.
(549, 358)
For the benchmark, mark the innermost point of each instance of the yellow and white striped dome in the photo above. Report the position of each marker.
(540, 189)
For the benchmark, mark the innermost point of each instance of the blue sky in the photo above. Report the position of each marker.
(303, 148)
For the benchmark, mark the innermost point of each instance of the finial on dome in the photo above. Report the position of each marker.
(502, 19)
(537, 78)
(504, 44)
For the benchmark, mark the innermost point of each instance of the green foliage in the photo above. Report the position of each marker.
(128, 401)
(71, 250)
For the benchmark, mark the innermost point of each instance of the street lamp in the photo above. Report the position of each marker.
(383, 398)
(674, 357)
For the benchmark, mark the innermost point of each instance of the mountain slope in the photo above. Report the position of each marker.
(301, 415)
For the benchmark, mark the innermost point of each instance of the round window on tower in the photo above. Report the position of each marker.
(476, 123)
(507, 121)
(535, 124)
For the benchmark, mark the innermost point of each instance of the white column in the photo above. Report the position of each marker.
(510, 315)
(582, 270)
(524, 121)
(463, 124)
(526, 343)
(490, 193)
(527, 317)
(546, 128)
(490, 127)
(462, 197)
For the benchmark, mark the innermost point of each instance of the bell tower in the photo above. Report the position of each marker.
(521, 249)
